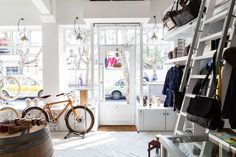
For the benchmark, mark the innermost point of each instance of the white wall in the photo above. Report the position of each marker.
(13, 10)
(117, 9)
(67, 10)
(158, 7)
(51, 59)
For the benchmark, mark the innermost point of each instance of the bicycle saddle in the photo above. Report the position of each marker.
(44, 96)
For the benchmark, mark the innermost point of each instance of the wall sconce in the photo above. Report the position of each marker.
(22, 35)
(77, 31)
(155, 29)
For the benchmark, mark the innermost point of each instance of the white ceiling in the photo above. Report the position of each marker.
(139, 11)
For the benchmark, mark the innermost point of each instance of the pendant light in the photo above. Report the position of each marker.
(155, 29)
(22, 35)
(77, 30)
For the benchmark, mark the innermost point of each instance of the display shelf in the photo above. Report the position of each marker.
(185, 30)
(179, 60)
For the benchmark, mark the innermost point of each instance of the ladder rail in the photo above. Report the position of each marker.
(193, 45)
(203, 32)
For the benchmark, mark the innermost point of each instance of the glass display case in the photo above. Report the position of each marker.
(195, 146)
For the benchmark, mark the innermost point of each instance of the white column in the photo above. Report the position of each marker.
(51, 58)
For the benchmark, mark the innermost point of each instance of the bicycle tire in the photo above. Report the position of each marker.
(87, 113)
(27, 113)
(2, 85)
(8, 114)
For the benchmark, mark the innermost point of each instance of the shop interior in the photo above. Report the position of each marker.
(117, 78)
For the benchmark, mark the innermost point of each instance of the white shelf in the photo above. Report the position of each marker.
(186, 31)
(180, 60)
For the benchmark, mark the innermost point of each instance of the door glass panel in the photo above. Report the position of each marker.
(116, 75)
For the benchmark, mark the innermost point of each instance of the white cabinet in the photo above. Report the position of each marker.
(156, 119)
(171, 119)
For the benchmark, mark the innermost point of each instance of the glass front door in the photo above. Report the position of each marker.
(116, 84)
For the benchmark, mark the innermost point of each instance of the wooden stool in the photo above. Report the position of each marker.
(153, 144)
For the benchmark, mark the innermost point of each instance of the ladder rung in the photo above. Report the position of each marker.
(205, 56)
(183, 114)
(198, 76)
(181, 132)
(214, 36)
(190, 95)
(211, 37)
(216, 17)
(221, 3)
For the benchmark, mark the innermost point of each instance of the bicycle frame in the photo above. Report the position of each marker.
(48, 106)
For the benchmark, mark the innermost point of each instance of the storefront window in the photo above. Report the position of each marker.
(78, 59)
(154, 54)
(22, 60)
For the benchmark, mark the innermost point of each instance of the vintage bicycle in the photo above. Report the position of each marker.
(79, 119)
(6, 83)
(8, 113)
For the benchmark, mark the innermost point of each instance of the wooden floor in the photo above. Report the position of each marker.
(117, 128)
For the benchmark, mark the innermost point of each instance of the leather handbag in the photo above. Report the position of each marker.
(187, 13)
(168, 20)
(206, 111)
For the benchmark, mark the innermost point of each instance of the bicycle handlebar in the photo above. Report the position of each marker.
(60, 94)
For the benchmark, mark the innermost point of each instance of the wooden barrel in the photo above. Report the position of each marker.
(37, 143)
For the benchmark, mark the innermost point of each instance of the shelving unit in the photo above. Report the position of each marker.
(186, 31)
(180, 60)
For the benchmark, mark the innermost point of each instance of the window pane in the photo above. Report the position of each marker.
(126, 36)
(36, 38)
(110, 37)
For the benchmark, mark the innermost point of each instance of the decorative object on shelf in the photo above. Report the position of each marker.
(77, 30)
(22, 34)
(186, 50)
(144, 101)
(175, 52)
(170, 55)
(29, 102)
(155, 29)
(84, 97)
(180, 47)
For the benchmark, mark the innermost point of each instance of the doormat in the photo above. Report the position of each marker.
(117, 128)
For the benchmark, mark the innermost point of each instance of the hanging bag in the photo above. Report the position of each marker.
(168, 19)
(189, 11)
(206, 111)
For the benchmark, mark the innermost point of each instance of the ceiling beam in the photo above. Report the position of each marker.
(45, 7)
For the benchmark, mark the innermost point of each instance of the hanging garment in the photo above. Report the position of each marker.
(172, 83)
(229, 108)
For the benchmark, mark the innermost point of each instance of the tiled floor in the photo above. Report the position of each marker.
(104, 144)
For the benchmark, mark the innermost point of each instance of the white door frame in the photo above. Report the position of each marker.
(112, 111)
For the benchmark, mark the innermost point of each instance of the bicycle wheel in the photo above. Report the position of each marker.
(35, 112)
(80, 119)
(9, 88)
(8, 114)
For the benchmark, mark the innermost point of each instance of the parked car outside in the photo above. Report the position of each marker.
(3, 44)
(29, 87)
(117, 90)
